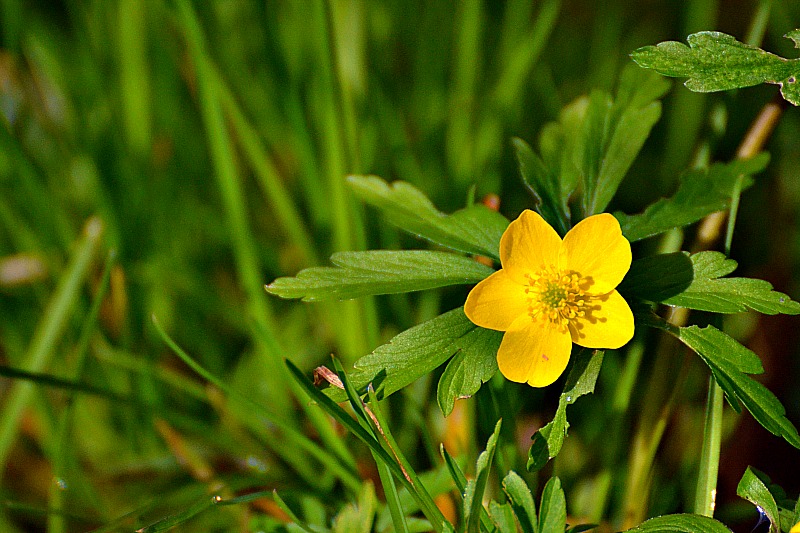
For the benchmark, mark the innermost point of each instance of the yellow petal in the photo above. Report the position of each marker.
(596, 249)
(496, 302)
(795, 528)
(607, 324)
(528, 244)
(533, 352)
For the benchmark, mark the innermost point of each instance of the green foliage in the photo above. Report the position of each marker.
(421, 349)
(700, 192)
(613, 133)
(522, 502)
(708, 292)
(730, 362)
(473, 495)
(545, 184)
(754, 490)
(657, 277)
(681, 523)
(473, 365)
(547, 442)
(553, 509)
(714, 61)
(474, 230)
(379, 272)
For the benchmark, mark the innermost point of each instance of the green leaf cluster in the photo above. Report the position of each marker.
(590, 147)
(715, 61)
(700, 192)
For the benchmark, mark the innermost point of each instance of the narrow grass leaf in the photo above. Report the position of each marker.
(752, 489)
(709, 292)
(522, 502)
(681, 523)
(179, 518)
(473, 496)
(49, 330)
(715, 61)
(292, 516)
(420, 495)
(475, 229)
(472, 366)
(547, 442)
(553, 514)
(358, 274)
(700, 193)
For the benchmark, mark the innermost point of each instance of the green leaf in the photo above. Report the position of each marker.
(545, 185)
(502, 516)
(582, 378)
(752, 489)
(553, 515)
(700, 193)
(658, 277)
(729, 295)
(476, 229)
(613, 133)
(357, 518)
(730, 362)
(473, 496)
(715, 61)
(681, 523)
(359, 274)
(472, 366)
(412, 353)
(521, 499)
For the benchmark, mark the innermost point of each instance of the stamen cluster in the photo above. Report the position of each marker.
(555, 296)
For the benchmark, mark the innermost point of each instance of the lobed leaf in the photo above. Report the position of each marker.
(553, 514)
(708, 292)
(358, 274)
(414, 352)
(730, 362)
(522, 502)
(472, 366)
(547, 442)
(752, 489)
(475, 230)
(715, 61)
(700, 193)
(544, 183)
(613, 133)
(681, 523)
(658, 277)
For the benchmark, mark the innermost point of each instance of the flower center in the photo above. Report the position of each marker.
(555, 296)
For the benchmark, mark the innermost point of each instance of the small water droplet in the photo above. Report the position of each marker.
(569, 398)
(782, 299)
(61, 483)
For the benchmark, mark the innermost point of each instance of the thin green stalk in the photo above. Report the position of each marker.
(706, 487)
(56, 522)
(270, 182)
(229, 181)
(293, 437)
(48, 332)
(134, 74)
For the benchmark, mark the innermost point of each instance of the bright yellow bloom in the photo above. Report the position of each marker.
(795, 529)
(551, 293)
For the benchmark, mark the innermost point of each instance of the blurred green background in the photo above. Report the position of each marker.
(211, 141)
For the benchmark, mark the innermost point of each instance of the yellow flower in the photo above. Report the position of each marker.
(551, 293)
(795, 529)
